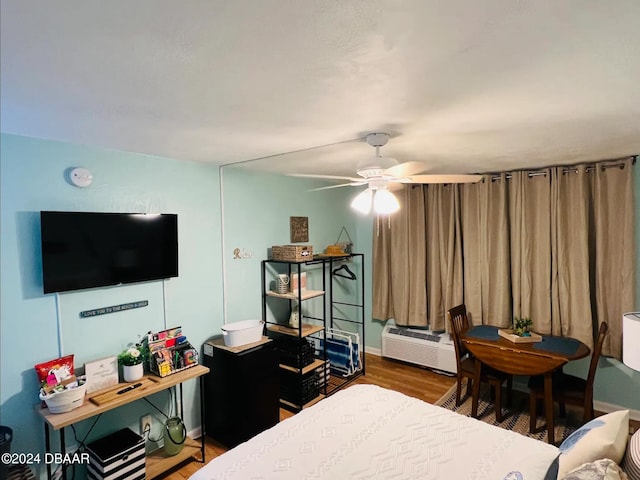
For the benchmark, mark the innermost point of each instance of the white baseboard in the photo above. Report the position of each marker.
(598, 406)
(195, 433)
(605, 407)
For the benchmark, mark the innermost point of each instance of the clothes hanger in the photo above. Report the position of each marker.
(338, 272)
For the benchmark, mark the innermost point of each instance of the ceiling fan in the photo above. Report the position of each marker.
(381, 180)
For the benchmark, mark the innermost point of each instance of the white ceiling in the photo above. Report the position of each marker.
(463, 85)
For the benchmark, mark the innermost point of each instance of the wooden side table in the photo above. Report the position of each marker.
(102, 401)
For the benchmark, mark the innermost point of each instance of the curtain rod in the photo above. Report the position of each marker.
(567, 170)
(508, 176)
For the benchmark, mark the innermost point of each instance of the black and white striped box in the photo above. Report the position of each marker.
(120, 455)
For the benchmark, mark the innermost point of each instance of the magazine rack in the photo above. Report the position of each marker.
(170, 352)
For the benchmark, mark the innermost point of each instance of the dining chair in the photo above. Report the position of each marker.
(569, 389)
(465, 363)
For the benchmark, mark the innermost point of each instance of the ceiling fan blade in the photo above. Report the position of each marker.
(406, 169)
(443, 178)
(352, 184)
(395, 186)
(329, 177)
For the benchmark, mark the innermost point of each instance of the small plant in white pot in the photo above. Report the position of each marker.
(132, 360)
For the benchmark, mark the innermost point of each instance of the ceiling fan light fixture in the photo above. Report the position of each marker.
(362, 202)
(378, 176)
(385, 202)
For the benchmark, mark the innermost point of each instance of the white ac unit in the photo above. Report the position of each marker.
(421, 347)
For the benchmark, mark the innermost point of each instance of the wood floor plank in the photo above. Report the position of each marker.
(409, 379)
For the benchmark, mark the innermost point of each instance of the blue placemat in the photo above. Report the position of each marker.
(485, 332)
(563, 345)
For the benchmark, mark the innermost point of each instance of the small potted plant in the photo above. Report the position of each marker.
(132, 360)
(522, 326)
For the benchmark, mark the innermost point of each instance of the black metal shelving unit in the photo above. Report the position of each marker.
(304, 380)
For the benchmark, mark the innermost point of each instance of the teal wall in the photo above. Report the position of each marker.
(32, 179)
(257, 208)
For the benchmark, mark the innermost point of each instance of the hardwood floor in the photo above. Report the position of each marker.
(411, 380)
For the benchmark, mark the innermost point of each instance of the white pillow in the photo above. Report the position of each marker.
(602, 437)
(604, 469)
(631, 462)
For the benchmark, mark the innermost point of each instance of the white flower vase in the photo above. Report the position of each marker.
(132, 373)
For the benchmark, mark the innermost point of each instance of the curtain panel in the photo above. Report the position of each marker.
(556, 245)
(486, 224)
(444, 257)
(614, 250)
(399, 262)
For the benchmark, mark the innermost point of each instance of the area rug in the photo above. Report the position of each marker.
(515, 417)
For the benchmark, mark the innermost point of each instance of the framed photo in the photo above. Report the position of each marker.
(101, 373)
(299, 229)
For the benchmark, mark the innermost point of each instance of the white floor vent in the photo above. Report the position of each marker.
(421, 347)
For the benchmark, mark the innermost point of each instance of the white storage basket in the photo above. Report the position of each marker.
(66, 400)
(241, 333)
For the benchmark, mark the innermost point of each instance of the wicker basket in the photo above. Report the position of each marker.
(292, 253)
(66, 400)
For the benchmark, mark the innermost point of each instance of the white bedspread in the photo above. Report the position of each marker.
(368, 432)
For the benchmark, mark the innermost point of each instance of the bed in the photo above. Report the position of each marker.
(368, 432)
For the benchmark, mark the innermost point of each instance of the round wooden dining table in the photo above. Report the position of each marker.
(535, 358)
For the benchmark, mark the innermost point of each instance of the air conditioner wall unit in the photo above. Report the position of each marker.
(420, 347)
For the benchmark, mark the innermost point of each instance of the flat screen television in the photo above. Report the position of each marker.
(86, 250)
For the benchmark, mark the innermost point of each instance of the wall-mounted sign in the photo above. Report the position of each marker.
(113, 309)
(299, 229)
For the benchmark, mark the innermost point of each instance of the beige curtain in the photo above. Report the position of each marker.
(570, 265)
(594, 251)
(613, 248)
(556, 245)
(486, 251)
(444, 252)
(530, 239)
(399, 262)
(473, 268)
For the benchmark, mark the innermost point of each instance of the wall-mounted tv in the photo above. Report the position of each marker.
(85, 250)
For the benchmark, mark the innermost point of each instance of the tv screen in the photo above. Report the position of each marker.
(85, 250)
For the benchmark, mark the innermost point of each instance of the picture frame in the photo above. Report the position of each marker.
(101, 374)
(299, 229)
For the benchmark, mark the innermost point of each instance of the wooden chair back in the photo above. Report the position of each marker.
(595, 356)
(459, 324)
